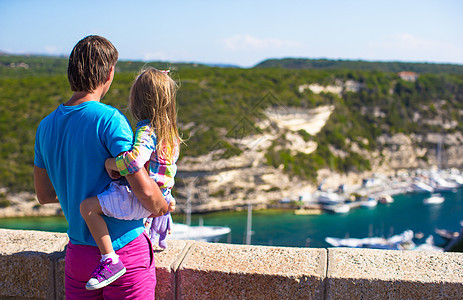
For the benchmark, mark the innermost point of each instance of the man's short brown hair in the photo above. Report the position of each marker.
(90, 63)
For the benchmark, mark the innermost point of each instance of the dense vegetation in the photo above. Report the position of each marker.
(16, 66)
(359, 65)
(218, 103)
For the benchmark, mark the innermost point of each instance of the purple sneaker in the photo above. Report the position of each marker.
(105, 273)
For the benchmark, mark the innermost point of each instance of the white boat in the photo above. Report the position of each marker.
(370, 203)
(454, 177)
(355, 243)
(405, 237)
(447, 234)
(330, 198)
(337, 208)
(434, 199)
(401, 241)
(441, 185)
(198, 233)
(428, 246)
(385, 199)
(419, 186)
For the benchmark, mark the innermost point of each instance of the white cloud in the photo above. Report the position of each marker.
(158, 56)
(241, 42)
(409, 47)
(51, 50)
(406, 41)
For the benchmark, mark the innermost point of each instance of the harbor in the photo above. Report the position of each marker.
(407, 212)
(282, 227)
(379, 189)
(422, 191)
(423, 201)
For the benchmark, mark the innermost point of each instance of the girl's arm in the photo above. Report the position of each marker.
(146, 189)
(131, 164)
(132, 161)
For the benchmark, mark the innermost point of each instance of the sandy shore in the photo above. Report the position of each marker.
(25, 204)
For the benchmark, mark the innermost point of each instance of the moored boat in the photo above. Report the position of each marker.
(198, 233)
(447, 234)
(401, 241)
(419, 186)
(369, 203)
(441, 185)
(330, 198)
(337, 208)
(385, 199)
(434, 199)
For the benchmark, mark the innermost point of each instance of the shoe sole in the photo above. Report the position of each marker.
(105, 282)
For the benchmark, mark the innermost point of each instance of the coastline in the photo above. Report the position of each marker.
(25, 204)
(300, 195)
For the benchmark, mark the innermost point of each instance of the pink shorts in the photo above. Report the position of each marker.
(138, 282)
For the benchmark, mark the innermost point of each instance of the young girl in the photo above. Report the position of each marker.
(156, 148)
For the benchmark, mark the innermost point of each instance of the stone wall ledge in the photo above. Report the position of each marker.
(32, 267)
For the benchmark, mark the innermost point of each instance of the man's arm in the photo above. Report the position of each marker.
(111, 168)
(43, 187)
(148, 192)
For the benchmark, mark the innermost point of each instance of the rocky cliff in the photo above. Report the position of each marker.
(213, 182)
(216, 181)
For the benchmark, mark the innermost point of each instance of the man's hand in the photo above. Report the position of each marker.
(113, 174)
(148, 193)
(43, 187)
(171, 206)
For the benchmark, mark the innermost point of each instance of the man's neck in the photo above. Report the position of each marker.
(81, 97)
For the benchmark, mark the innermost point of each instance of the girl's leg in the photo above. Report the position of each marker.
(139, 281)
(91, 212)
(110, 267)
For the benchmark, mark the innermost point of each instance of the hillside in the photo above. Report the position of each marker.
(16, 66)
(360, 65)
(260, 133)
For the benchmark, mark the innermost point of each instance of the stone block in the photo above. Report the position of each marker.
(167, 262)
(59, 278)
(218, 271)
(389, 274)
(27, 263)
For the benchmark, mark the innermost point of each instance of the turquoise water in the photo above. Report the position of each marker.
(283, 228)
(55, 224)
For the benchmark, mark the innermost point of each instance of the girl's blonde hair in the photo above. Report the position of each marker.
(152, 97)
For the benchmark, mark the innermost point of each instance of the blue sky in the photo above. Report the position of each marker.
(240, 32)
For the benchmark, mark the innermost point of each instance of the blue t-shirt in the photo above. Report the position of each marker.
(72, 144)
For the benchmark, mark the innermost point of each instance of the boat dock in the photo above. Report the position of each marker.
(379, 190)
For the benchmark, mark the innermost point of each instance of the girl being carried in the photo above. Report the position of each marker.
(156, 148)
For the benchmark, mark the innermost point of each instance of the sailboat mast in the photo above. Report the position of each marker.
(188, 204)
(439, 154)
(249, 225)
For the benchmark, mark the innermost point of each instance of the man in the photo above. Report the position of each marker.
(72, 144)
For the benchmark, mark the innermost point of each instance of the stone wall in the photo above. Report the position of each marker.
(32, 267)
